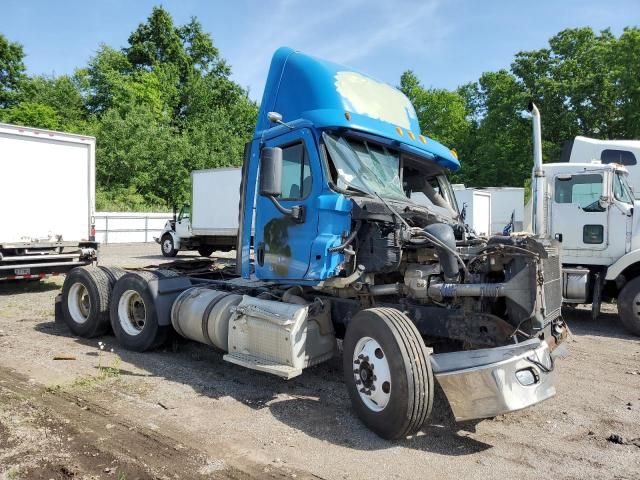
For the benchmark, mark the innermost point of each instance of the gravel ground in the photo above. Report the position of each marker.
(182, 412)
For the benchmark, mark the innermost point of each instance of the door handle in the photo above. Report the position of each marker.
(260, 254)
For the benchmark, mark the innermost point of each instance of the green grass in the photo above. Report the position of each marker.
(87, 382)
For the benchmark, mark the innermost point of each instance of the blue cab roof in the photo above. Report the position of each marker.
(330, 95)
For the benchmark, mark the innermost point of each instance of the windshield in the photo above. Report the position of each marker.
(365, 166)
(621, 189)
(434, 192)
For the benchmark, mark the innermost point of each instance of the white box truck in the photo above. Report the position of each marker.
(201, 225)
(506, 202)
(47, 199)
(475, 207)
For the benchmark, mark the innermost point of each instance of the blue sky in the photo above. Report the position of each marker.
(447, 43)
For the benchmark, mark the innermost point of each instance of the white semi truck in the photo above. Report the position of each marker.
(47, 199)
(589, 207)
(201, 225)
(620, 152)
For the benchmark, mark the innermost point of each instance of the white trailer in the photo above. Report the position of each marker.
(476, 205)
(621, 152)
(47, 199)
(210, 222)
(505, 202)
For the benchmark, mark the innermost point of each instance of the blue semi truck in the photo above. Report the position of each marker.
(349, 240)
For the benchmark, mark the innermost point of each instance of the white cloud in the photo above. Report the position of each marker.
(343, 32)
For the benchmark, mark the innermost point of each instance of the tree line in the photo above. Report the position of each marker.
(165, 105)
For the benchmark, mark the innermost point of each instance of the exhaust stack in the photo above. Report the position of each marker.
(538, 188)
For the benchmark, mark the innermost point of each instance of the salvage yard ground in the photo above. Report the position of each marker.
(182, 412)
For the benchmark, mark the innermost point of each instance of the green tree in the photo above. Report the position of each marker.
(442, 114)
(62, 95)
(31, 114)
(12, 70)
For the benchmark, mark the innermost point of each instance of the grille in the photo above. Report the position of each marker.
(552, 287)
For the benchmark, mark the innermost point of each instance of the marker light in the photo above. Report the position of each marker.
(399, 130)
(411, 135)
(454, 153)
(423, 139)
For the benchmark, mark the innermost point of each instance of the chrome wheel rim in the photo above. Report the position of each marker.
(79, 303)
(372, 374)
(132, 313)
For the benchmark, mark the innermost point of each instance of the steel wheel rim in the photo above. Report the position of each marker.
(132, 313)
(79, 303)
(167, 246)
(372, 374)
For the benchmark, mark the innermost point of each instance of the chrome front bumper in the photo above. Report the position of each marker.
(483, 383)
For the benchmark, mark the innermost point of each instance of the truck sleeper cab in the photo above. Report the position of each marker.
(341, 252)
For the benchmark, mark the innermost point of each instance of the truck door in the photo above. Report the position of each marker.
(577, 214)
(282, 245)
(182, 222)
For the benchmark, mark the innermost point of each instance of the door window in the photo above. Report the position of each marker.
(184, 213)
(620, 191)
(296, 174)
(582, 190)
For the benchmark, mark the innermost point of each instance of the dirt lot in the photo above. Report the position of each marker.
(182, 412)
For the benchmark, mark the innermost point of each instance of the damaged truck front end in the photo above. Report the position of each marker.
(489, 308)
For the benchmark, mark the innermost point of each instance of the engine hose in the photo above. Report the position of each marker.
(348, 240)
(430, 238)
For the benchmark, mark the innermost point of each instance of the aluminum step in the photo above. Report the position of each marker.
(261, 364)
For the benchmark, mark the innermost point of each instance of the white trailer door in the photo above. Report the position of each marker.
(482, 213)
(45, 188)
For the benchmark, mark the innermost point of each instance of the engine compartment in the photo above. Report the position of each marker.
(501, 287)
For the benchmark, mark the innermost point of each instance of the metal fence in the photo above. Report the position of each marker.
(129, 227)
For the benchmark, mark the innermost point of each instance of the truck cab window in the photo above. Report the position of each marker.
(296, 174)
(184, 212)
(582, 190)
(429, 190)
(623, 157)
(621, 190)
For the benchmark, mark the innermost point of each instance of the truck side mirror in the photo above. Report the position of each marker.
(603, 203)
(270, 182)
(270, 172)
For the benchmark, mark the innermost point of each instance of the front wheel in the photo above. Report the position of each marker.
(387, 372)
(629, 306)
(167, 246)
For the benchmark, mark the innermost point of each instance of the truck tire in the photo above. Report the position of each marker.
(206, 250)
(114, 273)
(629, 306)
(133, 315)
(167, 246)
(387, 372)
(85, 301)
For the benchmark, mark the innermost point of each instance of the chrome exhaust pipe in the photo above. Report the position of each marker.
(538, 188)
